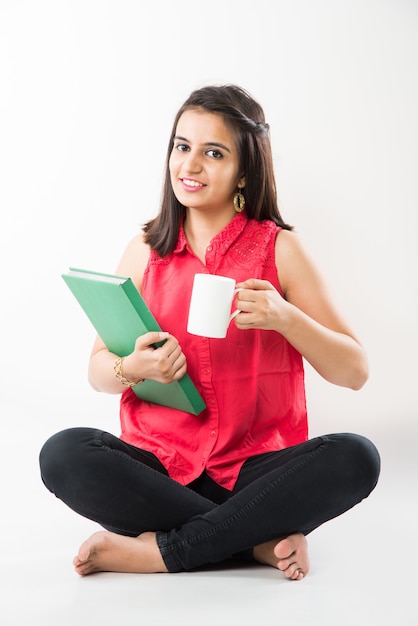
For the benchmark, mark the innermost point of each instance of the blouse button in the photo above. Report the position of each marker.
(209, 248)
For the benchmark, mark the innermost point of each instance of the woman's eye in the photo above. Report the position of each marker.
(181, 147)
(215, 154)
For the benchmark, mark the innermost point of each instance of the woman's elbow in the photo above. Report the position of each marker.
(359, 373)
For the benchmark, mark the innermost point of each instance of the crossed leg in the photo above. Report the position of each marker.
(206, 531)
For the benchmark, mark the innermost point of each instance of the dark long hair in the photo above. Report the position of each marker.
(245, 118)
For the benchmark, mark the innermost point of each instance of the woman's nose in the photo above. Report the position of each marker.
(192, 162)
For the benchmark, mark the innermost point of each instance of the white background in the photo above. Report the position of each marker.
(89, 90)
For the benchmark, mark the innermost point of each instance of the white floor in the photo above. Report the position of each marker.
(363, 564)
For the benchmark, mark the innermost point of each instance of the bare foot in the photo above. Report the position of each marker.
(108, 552)
(289, 555)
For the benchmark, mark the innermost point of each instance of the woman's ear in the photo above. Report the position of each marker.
(241, 182)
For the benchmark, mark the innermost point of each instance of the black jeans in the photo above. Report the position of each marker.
(128, 491)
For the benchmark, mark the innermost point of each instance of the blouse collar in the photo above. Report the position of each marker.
(223, 240)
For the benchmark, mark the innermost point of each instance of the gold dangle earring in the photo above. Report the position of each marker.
(239, 201)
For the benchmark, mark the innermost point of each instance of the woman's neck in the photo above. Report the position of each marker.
(200, 228)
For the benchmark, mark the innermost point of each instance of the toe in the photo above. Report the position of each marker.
(291, 571)
(284, 564)
(297, 575)
(284, 549)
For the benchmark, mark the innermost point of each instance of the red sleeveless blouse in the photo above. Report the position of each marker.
(252, 381)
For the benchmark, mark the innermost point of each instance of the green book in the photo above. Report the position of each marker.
(120, 315)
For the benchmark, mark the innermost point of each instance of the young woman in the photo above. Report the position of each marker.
(240, 480)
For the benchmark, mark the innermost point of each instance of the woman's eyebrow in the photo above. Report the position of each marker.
(215, 144)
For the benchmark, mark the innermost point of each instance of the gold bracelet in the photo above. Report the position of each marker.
(121, 378)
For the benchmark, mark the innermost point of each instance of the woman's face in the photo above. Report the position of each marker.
(204, 162)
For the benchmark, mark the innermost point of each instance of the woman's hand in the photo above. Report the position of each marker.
(262, 306)
(165, 363)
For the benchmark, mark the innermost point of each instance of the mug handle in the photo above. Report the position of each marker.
(235, 313)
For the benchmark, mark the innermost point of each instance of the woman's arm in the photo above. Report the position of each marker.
(307, 315)
(164, 364)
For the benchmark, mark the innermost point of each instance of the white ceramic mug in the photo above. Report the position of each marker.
(210, 305)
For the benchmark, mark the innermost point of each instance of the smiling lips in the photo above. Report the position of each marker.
(191, 185)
